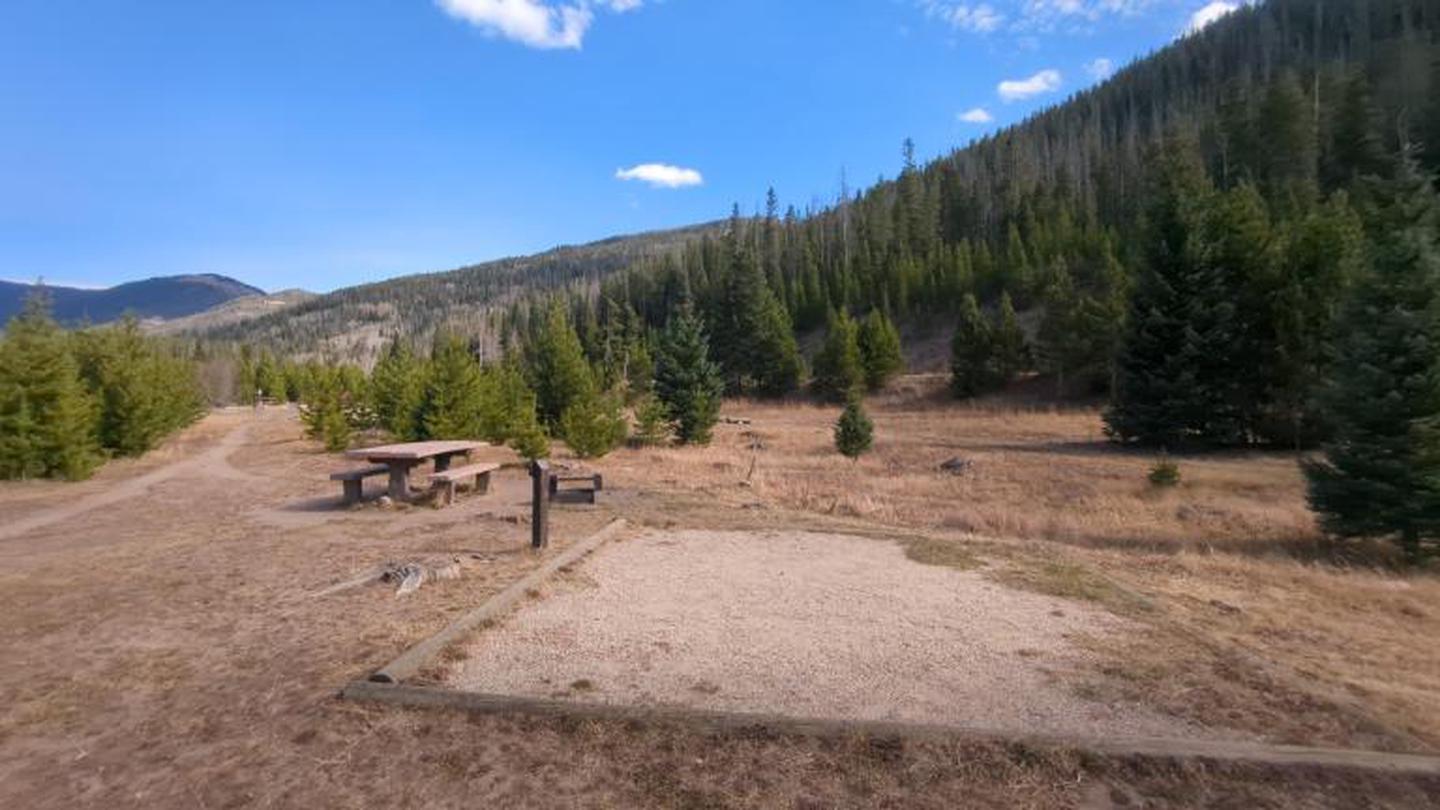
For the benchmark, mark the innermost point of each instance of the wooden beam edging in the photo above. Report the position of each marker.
(703, 720)
(418, 656)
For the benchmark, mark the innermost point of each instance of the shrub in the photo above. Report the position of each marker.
(530, 441)
(652, 422)
(854, 432)
(1164, 473)
(593, 425)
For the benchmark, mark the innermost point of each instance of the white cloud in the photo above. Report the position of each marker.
(1100, 69)
(536, 23)
(977, 115)
(980, 19)
(1207, 14)
(1074, 15)
(661, 175)
(1046, 81)
(1030, 16)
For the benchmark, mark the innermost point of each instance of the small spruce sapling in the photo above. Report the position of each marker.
(854, 432)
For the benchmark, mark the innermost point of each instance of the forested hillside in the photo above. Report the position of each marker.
(353, 324)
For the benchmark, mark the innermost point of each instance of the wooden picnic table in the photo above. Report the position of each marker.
(402, 458)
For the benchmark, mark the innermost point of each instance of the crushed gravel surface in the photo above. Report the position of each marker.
(803, 624)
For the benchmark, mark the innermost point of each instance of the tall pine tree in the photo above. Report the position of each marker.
(1380, 476)
(47, 420)
(687, 381)
(880, 352)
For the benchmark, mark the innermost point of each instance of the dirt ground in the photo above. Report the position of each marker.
(163, 645)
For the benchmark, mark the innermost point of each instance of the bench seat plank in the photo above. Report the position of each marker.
(461, 473)
(447, 481)
(363, 472)
(353, 481)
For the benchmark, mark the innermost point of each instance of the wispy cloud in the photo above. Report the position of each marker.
(1029, 16)
(1100, 69)
(1046, 81)
(661, 175)
(1207, 14)
(981, 18)
(536, 23)
(1047, 15)
(976, 115)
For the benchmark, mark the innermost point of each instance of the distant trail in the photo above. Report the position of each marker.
(203, 463)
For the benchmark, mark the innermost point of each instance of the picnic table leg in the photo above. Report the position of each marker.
(399, 481)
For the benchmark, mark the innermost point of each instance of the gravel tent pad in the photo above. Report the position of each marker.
(803, 624)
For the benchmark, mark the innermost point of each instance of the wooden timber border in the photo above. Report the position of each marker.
(385, 686)
(706, 721)
(413, 659)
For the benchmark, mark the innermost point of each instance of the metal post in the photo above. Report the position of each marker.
(539, 504)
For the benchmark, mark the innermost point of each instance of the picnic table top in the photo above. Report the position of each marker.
(414, 451)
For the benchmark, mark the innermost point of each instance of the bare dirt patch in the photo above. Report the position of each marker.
(804, 624)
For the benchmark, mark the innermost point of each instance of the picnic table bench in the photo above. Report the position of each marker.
(590, 483)
(353, 481)
(399, 460)
(448, 480)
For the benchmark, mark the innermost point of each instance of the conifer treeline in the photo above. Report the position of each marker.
(70, 399)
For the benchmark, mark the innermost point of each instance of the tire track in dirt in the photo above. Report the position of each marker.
(213, 462)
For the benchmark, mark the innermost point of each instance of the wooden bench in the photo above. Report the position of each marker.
(593, 483)
(354, 480)
(448, 480)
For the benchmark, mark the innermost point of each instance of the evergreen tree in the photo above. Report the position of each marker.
(528, 437)
(323, 411)
(558, 369)
(1356, 150)
(141, 392)
(1288, 154)
(47, 421)
(972, 355)
(686, 380)
(854, 432)
(397, 391)
(1234, 318)
(594, 424)
(779, 368)
(880, 353)
(652, 422)
(507, 405)
(1380, 476)
(837, 369)
(1321, 256)
(270, 378)
(1174, 386)
(1011, 352)
(454, 392)
(754, 339)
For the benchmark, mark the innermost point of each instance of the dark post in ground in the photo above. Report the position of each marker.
(539, 504)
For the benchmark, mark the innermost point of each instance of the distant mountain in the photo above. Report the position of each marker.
(163, 297)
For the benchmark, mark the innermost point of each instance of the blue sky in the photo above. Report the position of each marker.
(318, 143)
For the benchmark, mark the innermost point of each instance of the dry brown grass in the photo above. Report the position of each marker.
(166, 652)
(1046, 474)
(1253, 621)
